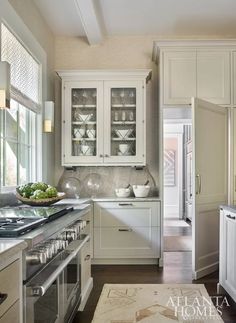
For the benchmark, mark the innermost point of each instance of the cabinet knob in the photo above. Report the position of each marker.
(125, 204)
(125, 230)
(106, 155)
(101, 155)
(87, 257)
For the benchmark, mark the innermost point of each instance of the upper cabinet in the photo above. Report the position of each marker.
(103, 117)
(179, 77)
(202, 69)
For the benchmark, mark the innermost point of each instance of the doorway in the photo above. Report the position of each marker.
(177, 184)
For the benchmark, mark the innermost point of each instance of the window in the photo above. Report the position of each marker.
(18, 125)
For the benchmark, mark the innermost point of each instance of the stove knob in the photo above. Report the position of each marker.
(36, 257)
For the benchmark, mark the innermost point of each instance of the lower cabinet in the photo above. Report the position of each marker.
(228, 252)
(12, 314)
(128, 230)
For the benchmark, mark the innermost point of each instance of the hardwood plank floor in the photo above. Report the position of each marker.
(177, 269)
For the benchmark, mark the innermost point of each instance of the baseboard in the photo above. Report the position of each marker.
(206, 271)
(85, 294)
(124, 261)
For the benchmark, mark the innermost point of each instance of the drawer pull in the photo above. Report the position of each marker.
(87, 257)
(232, 217)
(125, 230)
(125, 204)
(3, 297)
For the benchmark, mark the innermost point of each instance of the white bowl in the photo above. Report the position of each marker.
(85, 117)
(91, 133)
(87, 150)
(141, 190)
(122, 192)
(124, 148)
(123, 133)
(79, 132)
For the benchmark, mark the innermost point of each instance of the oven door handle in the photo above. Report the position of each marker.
(34, 290)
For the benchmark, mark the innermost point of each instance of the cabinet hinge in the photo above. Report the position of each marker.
(64, 155)
(143, 155)
(143, 121)
(64, 87)
(143, 86)
(64, 121)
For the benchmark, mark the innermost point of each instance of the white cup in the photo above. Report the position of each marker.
(124, 148)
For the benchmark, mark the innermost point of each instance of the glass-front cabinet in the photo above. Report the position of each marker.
(124, 119)
(103, 118)
(82, 122)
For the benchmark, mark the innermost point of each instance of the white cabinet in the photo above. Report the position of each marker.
(179, 83)
(128, 230)
(228, 252)
(213, 76)
(202, 73)
(103, 117)
(234, 78)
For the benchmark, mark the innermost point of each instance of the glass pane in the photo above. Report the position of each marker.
(11, 121)
(84, 121)
(24, 164)
(123, 122)
(10, 163)
(23, 125)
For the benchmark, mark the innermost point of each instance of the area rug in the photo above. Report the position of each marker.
(155, 303)
(177, 243)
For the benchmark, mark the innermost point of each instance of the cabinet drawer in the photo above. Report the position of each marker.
(9, 284)
(134, 214)
(12, 315)
(135, 242)
(85, 265)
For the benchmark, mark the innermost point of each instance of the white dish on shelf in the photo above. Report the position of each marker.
(125, 154)
(87, 150)
(122, 192)
(85, 117)
(141, 190)
(79, 132)
(123, 133)
(91, 133)
(124, 148)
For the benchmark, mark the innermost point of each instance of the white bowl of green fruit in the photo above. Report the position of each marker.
(38, 194)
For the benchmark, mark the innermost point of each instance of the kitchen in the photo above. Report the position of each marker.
(96, 126)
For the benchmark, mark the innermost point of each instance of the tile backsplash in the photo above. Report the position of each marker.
(106, 179)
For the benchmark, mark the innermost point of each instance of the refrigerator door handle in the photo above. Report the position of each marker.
(199, 184)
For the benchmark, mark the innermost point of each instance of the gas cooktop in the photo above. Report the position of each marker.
(15, 221)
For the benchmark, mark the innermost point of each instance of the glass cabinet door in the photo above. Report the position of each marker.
(124, 142)
(82, 129)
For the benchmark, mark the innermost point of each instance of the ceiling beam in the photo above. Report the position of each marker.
(89, 18)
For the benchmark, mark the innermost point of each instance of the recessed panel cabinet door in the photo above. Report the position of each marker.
(82, 131)
(210, 161)
(213, 76)
(179, 77)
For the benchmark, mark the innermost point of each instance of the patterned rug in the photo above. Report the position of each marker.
(155, 303)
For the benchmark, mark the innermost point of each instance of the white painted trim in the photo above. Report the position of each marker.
(124, 261)
(85, 294)
(205, 271)
(191, 43)
(89, 17)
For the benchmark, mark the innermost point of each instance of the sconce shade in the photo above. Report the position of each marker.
(5, 85)
(48, 124)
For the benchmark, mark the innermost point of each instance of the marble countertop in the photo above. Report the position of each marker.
(108, 199)
(231, 208)
(9, 247)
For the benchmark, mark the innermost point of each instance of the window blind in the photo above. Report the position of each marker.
(25, 70)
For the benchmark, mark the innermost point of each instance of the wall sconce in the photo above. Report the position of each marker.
(4, 85)
(48, 123)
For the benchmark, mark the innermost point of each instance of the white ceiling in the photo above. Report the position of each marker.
(167, 18)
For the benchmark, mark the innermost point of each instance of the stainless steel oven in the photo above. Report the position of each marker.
(53, 294)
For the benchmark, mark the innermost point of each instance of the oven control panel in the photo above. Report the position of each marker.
(45, 251)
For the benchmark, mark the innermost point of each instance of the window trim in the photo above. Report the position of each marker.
(10, 18)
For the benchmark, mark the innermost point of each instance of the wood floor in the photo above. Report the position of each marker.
(177, 269)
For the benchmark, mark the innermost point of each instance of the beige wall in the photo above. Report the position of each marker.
(31, 17)
(114, 53)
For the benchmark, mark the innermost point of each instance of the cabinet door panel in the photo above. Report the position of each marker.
(179, 77)
(135, 242)
(109, 214)
(85, 265)
(213, 76)
(234, 78)
(124, 122)
(10, 285)
(82, 131)
(12, 315)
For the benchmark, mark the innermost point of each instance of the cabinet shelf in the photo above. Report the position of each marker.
(123, 106)
(123, 139)
(83, 122)
(85, 106)
(123, 122)
(84, 139)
